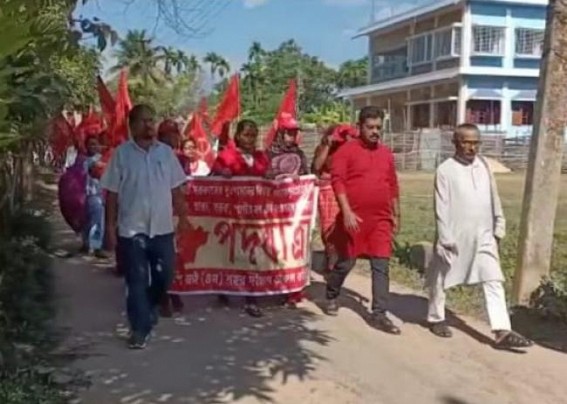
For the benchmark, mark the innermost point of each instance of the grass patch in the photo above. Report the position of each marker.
(418, 225)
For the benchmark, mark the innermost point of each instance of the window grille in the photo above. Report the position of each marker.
(529, 42)
(488, 40)
(457, 40)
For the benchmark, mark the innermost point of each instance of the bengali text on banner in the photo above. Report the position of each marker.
(248, 236)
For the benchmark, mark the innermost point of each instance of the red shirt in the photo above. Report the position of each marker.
(231, 159)
(368, 178)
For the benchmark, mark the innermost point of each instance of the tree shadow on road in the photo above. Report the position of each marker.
(452, 400)
(409, 308)
(218, 356)
(549, 334)
(413, 309)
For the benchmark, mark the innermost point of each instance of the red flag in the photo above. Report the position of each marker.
(225, 141)
(119, 129)
(107, 103)
(229, 108)
(196, 131)
(203, 109)
(288, 107)
(60, 136)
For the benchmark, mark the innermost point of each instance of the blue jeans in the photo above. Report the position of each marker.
(93, 233)
(149, 267)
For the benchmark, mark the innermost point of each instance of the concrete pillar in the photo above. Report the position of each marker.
(432, 108)
(509, 41)
(466, 36)
(462, 101)
(505, 110)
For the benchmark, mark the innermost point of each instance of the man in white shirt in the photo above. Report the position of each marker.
(470, 225)
(144, 183)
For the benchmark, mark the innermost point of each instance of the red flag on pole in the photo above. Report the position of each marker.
(60, 136)
(196, 131)
(107, 103)
(288, 107)
(203, 110)
(225, 141)
(119, 127)
(229, 108)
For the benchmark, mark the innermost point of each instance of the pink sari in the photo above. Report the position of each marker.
(72, 195)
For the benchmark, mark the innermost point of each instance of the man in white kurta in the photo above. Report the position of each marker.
(470, 225)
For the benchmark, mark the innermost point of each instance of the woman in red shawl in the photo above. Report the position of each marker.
(169, 133)
(241, 158)
(328, 207)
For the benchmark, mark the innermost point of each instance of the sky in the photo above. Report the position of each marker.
(324, 28)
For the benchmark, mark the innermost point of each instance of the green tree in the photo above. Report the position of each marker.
(137, 52)
(178, 95)
(79, 70)
(217, 65)
(353, 73)
(38, 39)
(266, 75)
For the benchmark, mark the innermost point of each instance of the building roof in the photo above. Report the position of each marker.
(399, 84)
(405, 16)
(430, 7)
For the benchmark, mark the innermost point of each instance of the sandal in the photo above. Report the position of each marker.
(253, 311)
(440, 329)
(511, 340)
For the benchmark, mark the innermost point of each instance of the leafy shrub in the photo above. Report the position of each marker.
(551, 298)
(26, 387)
(25, 294)
(26, 308)
(29, 223)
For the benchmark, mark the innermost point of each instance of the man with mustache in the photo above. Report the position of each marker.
(144, 183)
(363, 176)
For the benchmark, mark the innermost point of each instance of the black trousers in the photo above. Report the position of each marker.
(380, 281)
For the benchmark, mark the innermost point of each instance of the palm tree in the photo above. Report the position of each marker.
(256, 52)
(217, 64)
(254, 71)
(223, 67)
(137, 53)
(193, 64)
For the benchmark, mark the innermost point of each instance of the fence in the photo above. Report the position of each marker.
(425, 149)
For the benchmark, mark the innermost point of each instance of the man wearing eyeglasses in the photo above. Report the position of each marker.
(470, 224)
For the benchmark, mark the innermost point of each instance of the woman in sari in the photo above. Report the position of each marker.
(328, 207)
(243, 159)
(288, 160)
(286, 157)
(93, 232)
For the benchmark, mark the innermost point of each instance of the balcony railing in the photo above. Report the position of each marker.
(391, 68)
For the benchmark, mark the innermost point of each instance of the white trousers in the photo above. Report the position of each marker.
(495, 301)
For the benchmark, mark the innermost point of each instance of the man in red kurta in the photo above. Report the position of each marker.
(363, 175)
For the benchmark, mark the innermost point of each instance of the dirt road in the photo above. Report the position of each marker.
(217, 355)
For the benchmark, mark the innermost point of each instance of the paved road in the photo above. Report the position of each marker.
(217, 355)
